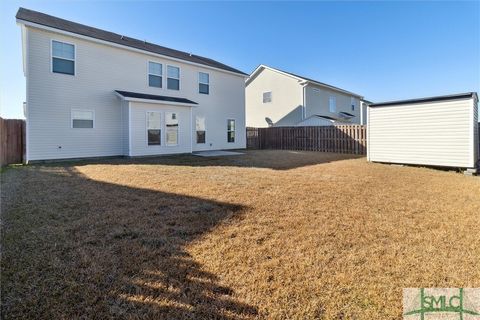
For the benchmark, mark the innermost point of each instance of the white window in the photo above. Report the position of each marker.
(171, 122)
(203, 83)
(154, 74)
(173, 78)
(267, 97)
(200, 128)
(332, 104)
(352, 102)
(154, 128)
(82, 119)
(230, 130)
(63, 57)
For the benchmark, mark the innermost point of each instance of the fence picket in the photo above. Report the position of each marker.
(342, 139)
(12, 141)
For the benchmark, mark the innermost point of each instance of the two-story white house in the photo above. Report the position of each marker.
(279, 98)
(94, 93)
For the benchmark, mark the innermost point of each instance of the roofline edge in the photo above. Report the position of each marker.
(113, 44)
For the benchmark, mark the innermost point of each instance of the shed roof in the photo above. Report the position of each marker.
(145, 96)
(428, 99)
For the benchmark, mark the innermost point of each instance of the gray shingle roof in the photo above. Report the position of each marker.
(73, 27)
(137, 95)
(319, 83)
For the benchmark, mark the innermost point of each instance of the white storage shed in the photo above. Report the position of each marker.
(436, 131)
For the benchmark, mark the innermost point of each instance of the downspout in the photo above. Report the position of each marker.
(304, 107)
(361, 112)
(191, 130)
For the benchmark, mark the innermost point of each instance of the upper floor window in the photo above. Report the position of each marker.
(352, 102)
(173, 78)
(82, 119)
(267, 97)
(203, 83)
(154, 74)
(332, 104)
(63, 57)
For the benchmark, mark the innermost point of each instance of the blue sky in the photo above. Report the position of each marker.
(382, 50)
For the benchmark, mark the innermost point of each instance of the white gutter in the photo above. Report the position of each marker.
(116, 45)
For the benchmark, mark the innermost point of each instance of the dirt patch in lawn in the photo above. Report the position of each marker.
(270, 234)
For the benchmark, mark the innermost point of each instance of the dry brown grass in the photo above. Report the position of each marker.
(271, 234)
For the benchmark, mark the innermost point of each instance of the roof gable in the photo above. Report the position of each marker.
(262, 67)
(80, 29)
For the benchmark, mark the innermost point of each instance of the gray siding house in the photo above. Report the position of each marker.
(94, 93)
(279, 98)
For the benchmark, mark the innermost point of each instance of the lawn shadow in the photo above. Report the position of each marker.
(267, 159)
(81, 248)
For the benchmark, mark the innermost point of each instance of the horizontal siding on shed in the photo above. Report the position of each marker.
(437, 133)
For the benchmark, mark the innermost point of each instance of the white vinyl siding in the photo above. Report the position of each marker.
(433, 133)
(317, 102)
(476, 137)
(288, 99)
(100, 70)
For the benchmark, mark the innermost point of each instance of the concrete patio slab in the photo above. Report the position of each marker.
(216, 153)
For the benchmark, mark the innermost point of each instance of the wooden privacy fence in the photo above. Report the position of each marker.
(342, 139)
(12, 141)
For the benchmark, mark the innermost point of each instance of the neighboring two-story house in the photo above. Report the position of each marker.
(94, 93)
(278, 98)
